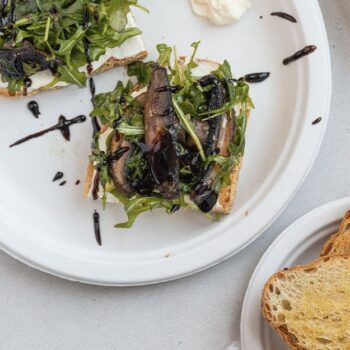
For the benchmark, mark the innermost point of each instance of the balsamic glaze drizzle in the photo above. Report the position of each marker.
(174, 208)
(95, 186)
(62, 125)
(34, 108)
(95, 126)
(86, 20)
(284, 16)
(256, 77)
(77, 182)
(316, 121)
(63, 183)
(59, 175)
(27, 83)
(92, 87)
(307, 50)
(97, 228)
(170, 88)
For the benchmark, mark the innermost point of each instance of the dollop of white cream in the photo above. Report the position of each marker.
(221, 12)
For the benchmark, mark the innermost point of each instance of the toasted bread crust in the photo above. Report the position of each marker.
(109, 64)
(282, 329)
(88, 179)
(339, 243)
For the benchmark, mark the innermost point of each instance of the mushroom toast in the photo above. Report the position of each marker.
(173, 139)
(54, 43)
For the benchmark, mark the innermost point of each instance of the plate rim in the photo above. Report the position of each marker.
(198, 264)
(319, 217)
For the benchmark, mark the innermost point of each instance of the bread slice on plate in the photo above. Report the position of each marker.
(201, 149)
(68, 43)
(339, 243)
(227, 193)
(309, 305)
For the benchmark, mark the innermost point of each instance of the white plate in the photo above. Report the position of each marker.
(50, 227)
(300, 243)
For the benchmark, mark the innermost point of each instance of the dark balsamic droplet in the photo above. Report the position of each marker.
(316, 121)
(174, 208)
(63, 126)
(77, 182)
(168, 88)
(97, 228)
(256, 77)
(208, 201)
(167, 112)
(27, 83)
(59, 175)
(63, 183)
(53, 10)
(117, 155)
(307, 50)
(34, 108)
(92, 88)
(284, 16)
(86, 18)
(95, 127)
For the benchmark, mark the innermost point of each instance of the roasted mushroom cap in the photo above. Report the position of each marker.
(118, 164)
(220, 135)
(160, 134)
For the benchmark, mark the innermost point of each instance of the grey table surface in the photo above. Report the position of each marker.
(202, 312)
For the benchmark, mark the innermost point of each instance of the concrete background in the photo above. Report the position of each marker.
(201, 312)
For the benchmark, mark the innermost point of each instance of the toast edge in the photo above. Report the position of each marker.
(328, 246)
(112, 62)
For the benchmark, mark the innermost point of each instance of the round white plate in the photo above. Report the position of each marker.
(50, 227)
(299, 244)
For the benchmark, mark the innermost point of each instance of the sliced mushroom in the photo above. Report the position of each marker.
(161, 134)
(118, 164)
(220, 135)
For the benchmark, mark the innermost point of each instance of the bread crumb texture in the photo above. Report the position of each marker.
(309, 306)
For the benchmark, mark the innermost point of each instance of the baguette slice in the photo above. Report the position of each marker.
(130, 51)
(339, 243)
(226, 195)
(309, 306)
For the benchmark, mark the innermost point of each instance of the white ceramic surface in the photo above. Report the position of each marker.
(300, 243)
(50, 227)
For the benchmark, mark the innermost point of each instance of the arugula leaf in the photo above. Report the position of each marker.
(188, 126)
(131, 130)
(72, 76)
(139, 204)
(141, 70)
(165, 52)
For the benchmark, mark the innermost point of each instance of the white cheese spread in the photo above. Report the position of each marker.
(221, 12)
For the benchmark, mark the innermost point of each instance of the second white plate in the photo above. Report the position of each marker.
(299, 244)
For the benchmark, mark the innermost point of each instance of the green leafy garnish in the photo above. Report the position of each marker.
(122, 111)
(188, 126)
(59, 30)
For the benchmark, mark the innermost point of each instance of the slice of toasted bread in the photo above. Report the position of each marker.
(339, 243)
(109, 64)
(227, 194)
(309, 305)
(130, 51)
